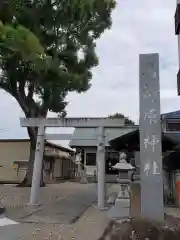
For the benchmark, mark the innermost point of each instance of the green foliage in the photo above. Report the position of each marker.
(19, 39)
(22, 41)
(51, 49)
(128, 121)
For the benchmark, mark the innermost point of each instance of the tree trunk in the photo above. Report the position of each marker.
(27, 181)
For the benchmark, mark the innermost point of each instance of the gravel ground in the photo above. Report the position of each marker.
(89, 227)
(12, 196)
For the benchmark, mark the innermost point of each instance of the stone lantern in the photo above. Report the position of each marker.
(124, 175)
(78, 162)
(81, 172)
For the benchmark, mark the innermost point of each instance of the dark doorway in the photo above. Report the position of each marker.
(90, 159)
(112, 157)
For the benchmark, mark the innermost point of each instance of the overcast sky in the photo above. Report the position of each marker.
(139, 26)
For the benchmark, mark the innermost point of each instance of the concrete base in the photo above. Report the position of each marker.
(124, 202)
(33, 204)
(120, 210)
(83, 178)
(101, 208)
(112, 199)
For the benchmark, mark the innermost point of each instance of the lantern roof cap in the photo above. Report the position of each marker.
(123, 165)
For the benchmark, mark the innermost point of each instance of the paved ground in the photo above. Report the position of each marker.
(62, 204)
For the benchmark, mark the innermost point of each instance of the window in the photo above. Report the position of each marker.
(21, 165)
(91, 159)
(173, 126)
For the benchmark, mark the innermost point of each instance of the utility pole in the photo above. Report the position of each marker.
(101, 168)
(177, 32)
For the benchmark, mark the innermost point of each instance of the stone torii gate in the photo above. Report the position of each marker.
(42, 123)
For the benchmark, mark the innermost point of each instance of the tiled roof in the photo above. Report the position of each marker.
(172, 115)
(86, 137)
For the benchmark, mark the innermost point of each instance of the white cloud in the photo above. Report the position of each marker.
(138, 27)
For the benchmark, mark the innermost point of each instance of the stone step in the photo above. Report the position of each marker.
(120, 210)
(109, 178)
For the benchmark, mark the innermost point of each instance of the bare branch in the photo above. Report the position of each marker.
(21, 88)
(30, 91)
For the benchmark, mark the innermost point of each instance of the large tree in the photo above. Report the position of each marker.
(67, 31)
(128, 121)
